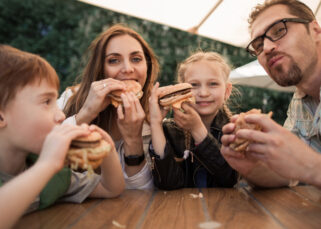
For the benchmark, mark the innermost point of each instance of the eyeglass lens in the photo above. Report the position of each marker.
(274, 33)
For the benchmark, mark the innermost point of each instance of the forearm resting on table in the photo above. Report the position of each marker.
(264, 177)
(13, 201)
(112, 179)
(312, 172)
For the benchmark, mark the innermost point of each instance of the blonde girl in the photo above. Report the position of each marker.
(186, 149)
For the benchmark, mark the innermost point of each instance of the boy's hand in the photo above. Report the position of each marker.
(57, 143)
(104, 135)
(191, 121)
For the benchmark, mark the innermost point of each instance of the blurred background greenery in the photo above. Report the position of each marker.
(61, 31)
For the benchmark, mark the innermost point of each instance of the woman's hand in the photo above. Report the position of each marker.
(130, 121)
(191, 121)
(130, 117)
(97, 99)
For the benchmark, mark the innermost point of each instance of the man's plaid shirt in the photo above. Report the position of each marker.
(304, 119)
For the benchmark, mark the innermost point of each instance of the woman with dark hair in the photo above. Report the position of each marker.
(117, 54)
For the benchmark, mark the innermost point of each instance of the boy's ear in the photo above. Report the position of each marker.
(2, 120)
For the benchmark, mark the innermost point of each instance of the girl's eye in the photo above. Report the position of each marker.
(194, 85)
(213, 83)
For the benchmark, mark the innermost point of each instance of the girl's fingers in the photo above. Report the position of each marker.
(154, 93)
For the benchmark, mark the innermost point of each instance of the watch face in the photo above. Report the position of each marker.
(134, 159)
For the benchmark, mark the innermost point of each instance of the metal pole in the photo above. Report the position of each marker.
(195, 28)
(317, 9)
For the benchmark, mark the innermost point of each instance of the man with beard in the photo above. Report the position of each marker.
(286, 39)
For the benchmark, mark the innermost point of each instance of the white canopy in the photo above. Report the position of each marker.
(222, 20)
(253, 74)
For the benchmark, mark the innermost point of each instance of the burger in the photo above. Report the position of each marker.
(175, 95)
(130, 86)
(241, 144)
(88, 152)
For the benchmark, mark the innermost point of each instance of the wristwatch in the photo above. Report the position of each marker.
(132, 160)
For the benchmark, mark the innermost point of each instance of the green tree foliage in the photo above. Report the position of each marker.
(61, 31)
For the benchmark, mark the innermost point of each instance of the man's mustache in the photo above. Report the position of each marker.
(273, 54)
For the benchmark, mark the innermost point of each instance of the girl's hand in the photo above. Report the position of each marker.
(191, 121)
(157, 113)
(57, 143)
(97, 99)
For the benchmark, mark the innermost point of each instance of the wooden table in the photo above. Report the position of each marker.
(298, 207)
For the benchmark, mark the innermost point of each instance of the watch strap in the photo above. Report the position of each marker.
(133, 160)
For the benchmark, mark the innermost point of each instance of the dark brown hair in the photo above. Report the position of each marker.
(94, 71)
(19, 69)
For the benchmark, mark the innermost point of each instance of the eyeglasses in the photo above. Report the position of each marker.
(274, 32)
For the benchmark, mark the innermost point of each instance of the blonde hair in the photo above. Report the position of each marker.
(295, 7)
(208, 56)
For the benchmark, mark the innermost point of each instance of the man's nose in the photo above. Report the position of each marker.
(268, 45)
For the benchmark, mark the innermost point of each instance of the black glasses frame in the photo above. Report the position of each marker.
(284, 20)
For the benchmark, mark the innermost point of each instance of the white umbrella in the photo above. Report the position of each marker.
(222, 20)
(253, 74)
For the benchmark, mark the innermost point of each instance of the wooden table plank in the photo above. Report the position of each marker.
(175, 209)
(309, 192)
(290, 209)
(125, 210)
(57, 216)
(233, 209)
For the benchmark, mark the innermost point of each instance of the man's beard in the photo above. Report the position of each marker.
(290, 78)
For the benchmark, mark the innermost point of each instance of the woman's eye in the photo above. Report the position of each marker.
(113, 61)
(136, 59)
